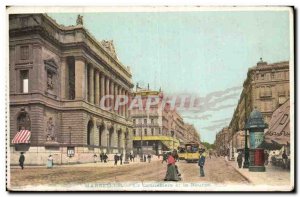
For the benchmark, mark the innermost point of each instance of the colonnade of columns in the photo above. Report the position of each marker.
(111, 138)
(91, 84)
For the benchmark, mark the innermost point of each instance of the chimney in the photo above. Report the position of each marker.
(148, 86)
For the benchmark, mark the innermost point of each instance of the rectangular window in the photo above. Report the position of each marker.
(133, 120)
(145, 131)
(152, 131)
(24, 81)
(24, 50)
(134, 132)
(152, 121)
(145, 121)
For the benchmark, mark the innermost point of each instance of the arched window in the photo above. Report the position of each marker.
(90, 133)
(23, 121)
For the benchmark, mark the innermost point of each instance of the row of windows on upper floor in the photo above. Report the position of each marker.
(144, 121)
(146, 132)
(272, 76)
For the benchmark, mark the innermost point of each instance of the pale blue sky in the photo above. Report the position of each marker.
(193, 52)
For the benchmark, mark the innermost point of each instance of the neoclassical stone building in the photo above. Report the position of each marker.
(57, 77)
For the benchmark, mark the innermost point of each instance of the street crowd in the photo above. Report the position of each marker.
(172, 171)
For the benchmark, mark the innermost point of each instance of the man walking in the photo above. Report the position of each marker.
(266, 158)
(121, 158)
(105, 157)
(149, 158)
(21, 160)
(201, 162)
(101, 157)
(116, 158)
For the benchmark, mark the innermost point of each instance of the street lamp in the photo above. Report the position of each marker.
(125, 148)
(172, 132)
(232, 150)
(246, 160)
(141, 154)
(107, 143)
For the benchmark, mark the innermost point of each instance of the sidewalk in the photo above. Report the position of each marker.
(109, 163)
(274, 176)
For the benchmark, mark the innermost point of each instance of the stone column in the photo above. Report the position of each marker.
(79, 78)
(95, 134)
(115, 95)
(112, 93)
(128, 104)
(102, 85)
(120, 108)
(114, 137)
(91, 84)
(97, 90)
(122, 140)
(106, 90)
(123, 107)
(63, 78)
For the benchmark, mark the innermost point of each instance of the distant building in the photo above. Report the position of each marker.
(57, 76)
(222, 142)
(159, 128)
(192, 135)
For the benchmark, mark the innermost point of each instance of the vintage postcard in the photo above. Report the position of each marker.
(150, 99)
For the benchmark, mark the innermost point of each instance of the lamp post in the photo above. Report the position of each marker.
(147, 146)
(172, 132)
(125, 148)
(256, 126)
(246, 160)
(107, 149)
(232, 150)
(141, 154)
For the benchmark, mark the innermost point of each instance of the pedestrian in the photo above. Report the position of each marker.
(240, 159)
(116, 158)
(50, 162)
(144, 158)
(201, 162)
(121, 158)
(165, 156)
(101, 157)
(172, 172)
(266, 158)
(133, 156)
(175, 155)
(105, 157)
(149, 158)
(284, 158)
(21, 160)
(130, 157)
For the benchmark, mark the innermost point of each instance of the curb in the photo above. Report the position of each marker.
(239, 172)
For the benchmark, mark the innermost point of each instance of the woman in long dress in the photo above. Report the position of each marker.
(171, 174)
(50, 162)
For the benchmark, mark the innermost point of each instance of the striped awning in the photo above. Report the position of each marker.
(22, 137)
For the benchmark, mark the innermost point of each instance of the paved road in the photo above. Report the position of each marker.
(217, 171)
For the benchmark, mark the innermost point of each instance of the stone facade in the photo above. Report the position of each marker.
(222, 141)
(158, 129)
(57, 77)
(192, 134)
(265, 88)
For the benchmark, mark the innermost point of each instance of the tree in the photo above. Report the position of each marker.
(208, 145)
